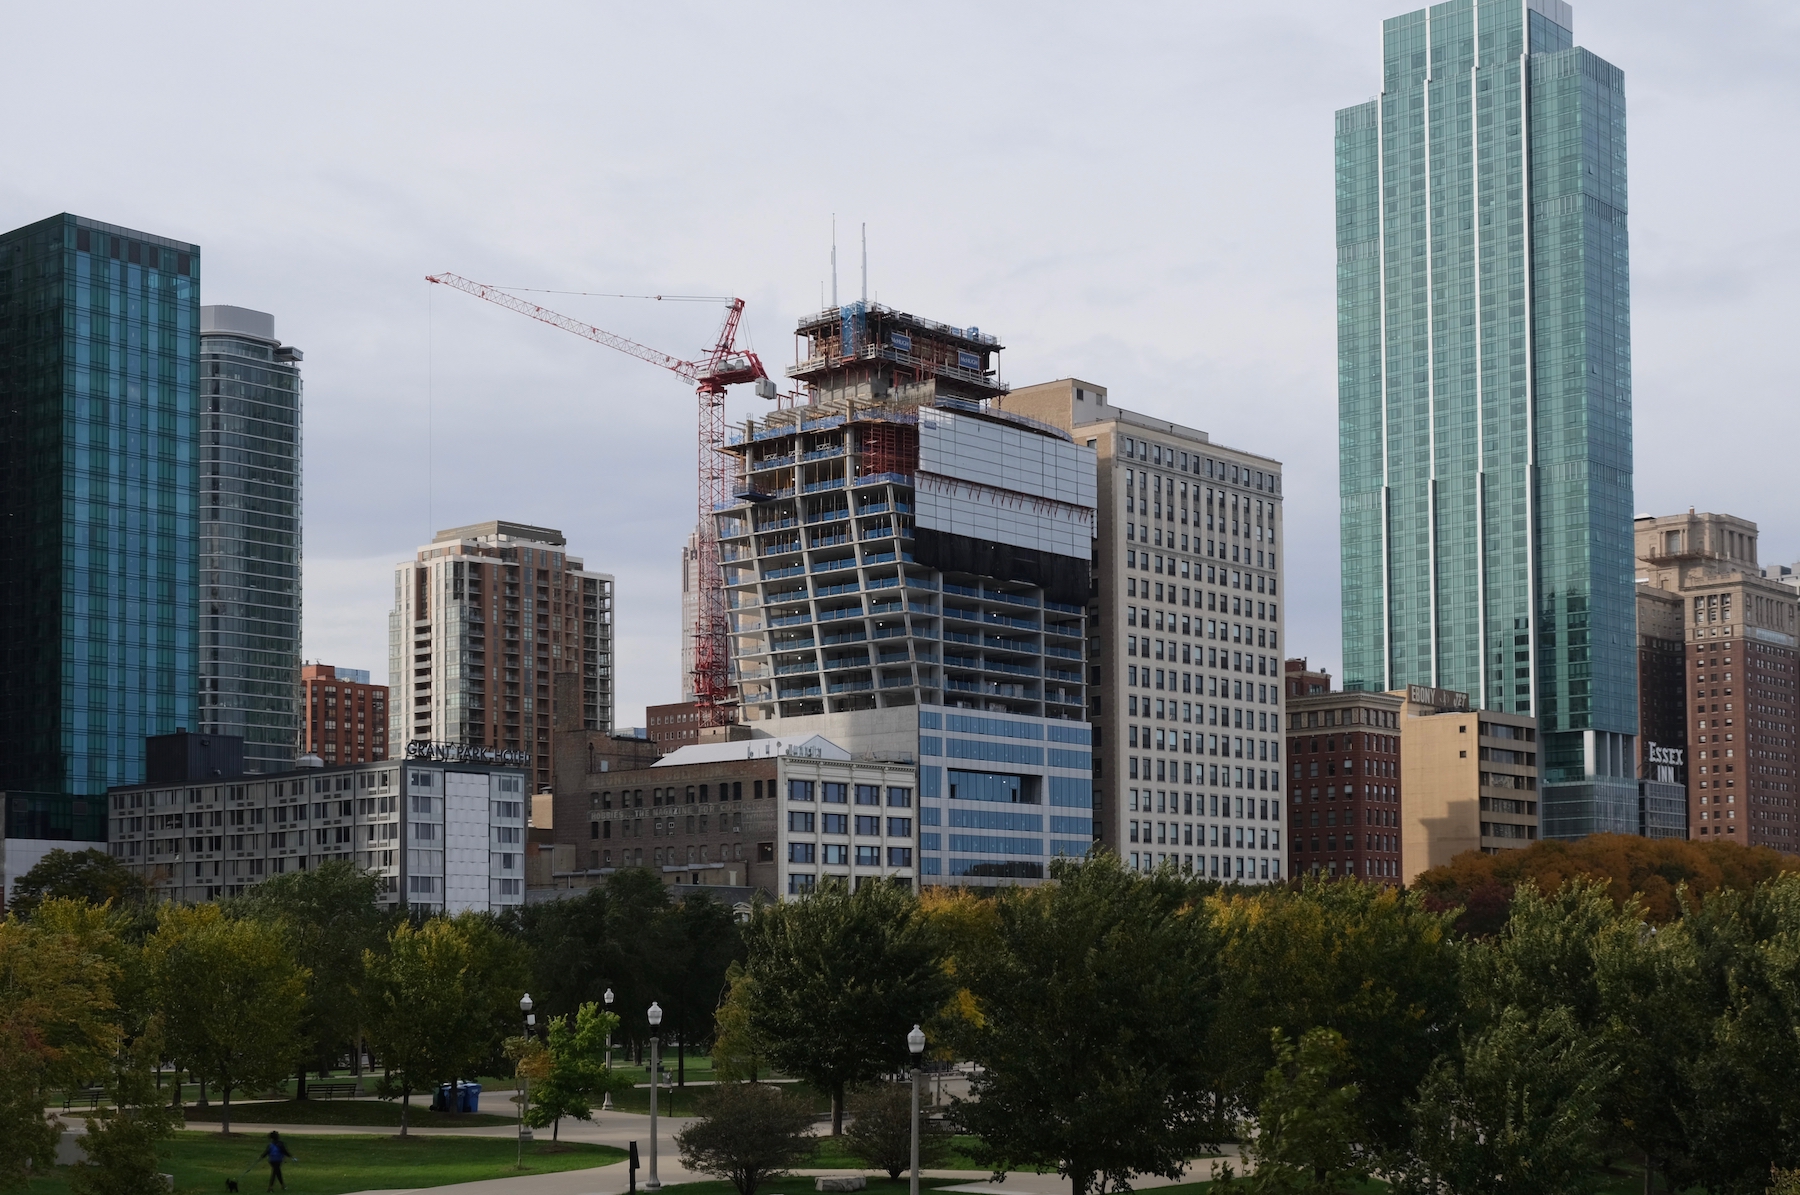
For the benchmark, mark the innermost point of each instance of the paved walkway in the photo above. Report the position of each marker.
(620, 1129)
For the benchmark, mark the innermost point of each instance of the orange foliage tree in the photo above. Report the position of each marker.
(1650, 868)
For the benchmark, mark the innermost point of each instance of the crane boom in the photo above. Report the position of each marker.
(724, 365)
(481, 290)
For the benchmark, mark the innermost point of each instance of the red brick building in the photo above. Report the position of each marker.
(673, 726)
(1343, 779)
(346, 717)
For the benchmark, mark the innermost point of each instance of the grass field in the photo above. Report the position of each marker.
(803, 1186)
(833, 1153)
(358, 1113)
(201, 1162)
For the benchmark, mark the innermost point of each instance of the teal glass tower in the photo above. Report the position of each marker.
(1484, 388)
(99, 339)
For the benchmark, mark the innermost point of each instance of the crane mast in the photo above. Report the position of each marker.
(724, 365)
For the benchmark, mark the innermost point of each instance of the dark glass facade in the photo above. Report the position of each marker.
(99, 331)
(250, 407)
(1485, 387)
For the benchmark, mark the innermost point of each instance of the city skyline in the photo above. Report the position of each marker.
(1239, 315)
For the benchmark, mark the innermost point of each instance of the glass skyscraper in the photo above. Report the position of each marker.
(250, 400)
(99, 339)
(1484, 387)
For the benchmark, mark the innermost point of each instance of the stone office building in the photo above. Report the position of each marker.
(1184, 637)
(778, 814)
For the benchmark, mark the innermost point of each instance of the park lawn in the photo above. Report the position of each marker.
(833, 1153)
(357, 1113)
(679, 1101)
(201, 1162)
(803, 1186)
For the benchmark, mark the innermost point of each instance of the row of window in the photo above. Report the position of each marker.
(834, 793)
(1184, 834)
(838, 854)
(1213, 574)
(1203, 805)
(1211, 866)
(803, 822)
(1189, 743)
(1175, 771)
(1356, 716)
(1223, 471)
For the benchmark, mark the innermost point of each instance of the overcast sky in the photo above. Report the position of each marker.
(1135, 194)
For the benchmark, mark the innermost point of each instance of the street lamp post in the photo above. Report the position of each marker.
(915, 1042)
(524, 1078)
(606, 1106)
(655, 1015)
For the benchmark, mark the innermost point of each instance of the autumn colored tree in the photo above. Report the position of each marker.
(1650, 868)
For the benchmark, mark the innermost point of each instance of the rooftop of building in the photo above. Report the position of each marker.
(1090, 406)
(810, 746)
(321, 770)
(503, 531)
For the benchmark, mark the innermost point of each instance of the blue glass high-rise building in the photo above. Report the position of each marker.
(1484, 387)
(99, 339)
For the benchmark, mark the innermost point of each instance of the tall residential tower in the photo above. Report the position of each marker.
(250, 535)
(485, 618)
(1484, 388)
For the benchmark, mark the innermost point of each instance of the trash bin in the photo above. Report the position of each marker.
(469, 1097)
(441, 1101)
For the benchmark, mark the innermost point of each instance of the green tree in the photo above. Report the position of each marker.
(122, 1143)
(1735, 965)
(90, 875)
(577, 1070)
(1517, 1114)
(880, 1131)
(232, 999)
(57, 1024)
(747, 1134)
(1362, 959)
(329, 916)
(737, 1052)
(695, 942)
(1305, 1140)
(499, 970)
(425, 1008)
(1093, 1008)
(840, 979)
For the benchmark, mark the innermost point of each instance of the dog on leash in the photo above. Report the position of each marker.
(231, 1184)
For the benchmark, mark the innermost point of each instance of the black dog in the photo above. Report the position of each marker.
(231, 1184)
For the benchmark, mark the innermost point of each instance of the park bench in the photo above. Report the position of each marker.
(87, 1097)
(326, 1091)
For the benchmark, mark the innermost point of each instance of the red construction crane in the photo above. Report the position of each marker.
(724, 365)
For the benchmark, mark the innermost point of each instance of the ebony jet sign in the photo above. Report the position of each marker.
(465, 753)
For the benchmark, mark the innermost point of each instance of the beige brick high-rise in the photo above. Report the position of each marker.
(485, 617)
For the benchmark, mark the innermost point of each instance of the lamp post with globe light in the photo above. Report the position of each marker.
(606, 1105)
(524, 1078)
(655, 1015)
(915, 1042)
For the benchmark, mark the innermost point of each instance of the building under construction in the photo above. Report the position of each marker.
(906, 571)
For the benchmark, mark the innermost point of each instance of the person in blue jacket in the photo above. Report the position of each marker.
(277, 1153)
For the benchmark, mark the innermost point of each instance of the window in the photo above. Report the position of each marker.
(800, 790)
(867, 856)
(868, 827)
(899, 827)
(834, 794)
(868, 794)
(899, 856)
(800, 823)
(836, 853)
(899, 798)
(835, 823)
(800, 852)
(799, 885)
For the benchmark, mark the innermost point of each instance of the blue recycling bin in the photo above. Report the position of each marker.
(440, 1102)
(469, 1097)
